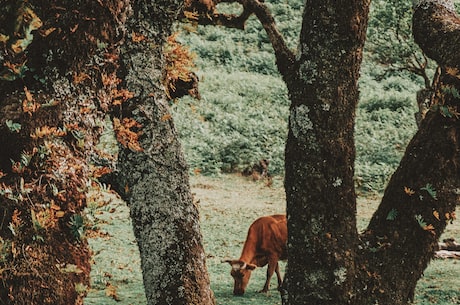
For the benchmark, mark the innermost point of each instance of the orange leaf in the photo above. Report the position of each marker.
(197, 171)
(73, 29)
(78, 78)
(191, 15)
(409, 191)
(60, 214)
(101, 171)
(436, 215)
(127, 137)
(4, 38)
(137, 37)
(55, 207)
(29, 97)
(46, 32)
(111, 292)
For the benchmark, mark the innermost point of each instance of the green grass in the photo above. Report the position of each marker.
(228, 205)
(116, 257)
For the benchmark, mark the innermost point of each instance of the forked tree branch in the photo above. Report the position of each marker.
(436, 29)
(205, 13)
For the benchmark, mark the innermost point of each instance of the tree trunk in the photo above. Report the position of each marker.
(321, 202)
(152, 172)
(421, 196)
(384, 264)
(46, 84)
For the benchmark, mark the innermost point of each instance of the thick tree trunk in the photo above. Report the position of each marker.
(421, 196)
(321, 202)
(418, 202)
(46, 84)
(385, 265)
(152, 170)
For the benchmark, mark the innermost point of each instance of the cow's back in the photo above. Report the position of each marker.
(270, 233)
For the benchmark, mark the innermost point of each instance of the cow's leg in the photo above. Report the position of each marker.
(278, 275)
(272, 266)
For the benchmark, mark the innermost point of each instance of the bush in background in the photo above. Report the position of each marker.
(385, 124)
(240, 120)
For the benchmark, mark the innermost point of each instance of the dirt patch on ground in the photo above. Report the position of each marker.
(233, 193)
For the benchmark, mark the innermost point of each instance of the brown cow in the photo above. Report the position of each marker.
(265, 244)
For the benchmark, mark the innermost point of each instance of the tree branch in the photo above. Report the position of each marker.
(436, 29)
(285, 58)
(205, 13)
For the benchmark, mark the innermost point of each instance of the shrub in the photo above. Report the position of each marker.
(240, 120)
(385, 123)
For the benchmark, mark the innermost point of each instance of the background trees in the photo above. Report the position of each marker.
(391, 44)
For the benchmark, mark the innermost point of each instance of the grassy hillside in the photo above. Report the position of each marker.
(242, 116)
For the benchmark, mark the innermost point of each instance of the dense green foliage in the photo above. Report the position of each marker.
(239, 121)
(242, 116)
(384, 125)
(390, 41)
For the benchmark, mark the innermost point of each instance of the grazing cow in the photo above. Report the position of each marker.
(265, 244)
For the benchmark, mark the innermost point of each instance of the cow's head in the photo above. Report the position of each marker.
(241, 272)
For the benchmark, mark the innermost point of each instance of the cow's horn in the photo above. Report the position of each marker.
(244, 266)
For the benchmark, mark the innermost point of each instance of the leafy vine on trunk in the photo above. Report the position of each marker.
(50, 120)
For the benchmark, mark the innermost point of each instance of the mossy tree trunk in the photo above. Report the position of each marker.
(422, 194)
(50, 119)
(320, 154)
(152, 171)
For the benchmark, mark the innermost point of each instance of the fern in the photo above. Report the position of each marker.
(430, 190)
(392, 214)
(421, 222)
(13, 127)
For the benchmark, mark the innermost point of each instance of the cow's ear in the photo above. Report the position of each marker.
(251, 266)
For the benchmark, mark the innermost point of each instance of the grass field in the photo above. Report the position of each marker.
(228, 205)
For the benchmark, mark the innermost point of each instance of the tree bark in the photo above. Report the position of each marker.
(152, 172)
(46, 84)
(321, 202)
(421, 196)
